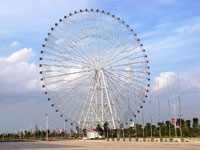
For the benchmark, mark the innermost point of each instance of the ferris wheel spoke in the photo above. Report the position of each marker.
(127, 64)
(128, 58)
(72, 53)
(116, 96)
(66, 93)
(64, 74)
(120, 44)
(68, 82)
(76, 38)
(124, 49)
(123, 82)
(63, 66)
(64, 59)
(118, 86)
(143, 78)
(119, 104)
(118, 30)
(134, 71)
(57, 96)
(101, 34)
(54, 82)
(64, 50)
(122, 79)
(112, 101)
(75, 56)
(131, 78)
(69, 96)
(71, 109)
(85, 104)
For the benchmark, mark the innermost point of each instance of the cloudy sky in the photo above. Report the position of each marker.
(169, 30)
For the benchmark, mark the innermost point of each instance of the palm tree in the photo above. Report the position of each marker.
(148, 129)
(181, 124)
(188, 125)
(99, 130)
(195, 126)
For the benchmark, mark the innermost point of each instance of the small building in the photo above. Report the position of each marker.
(132, 125)
(93, 135)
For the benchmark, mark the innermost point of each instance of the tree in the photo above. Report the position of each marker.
(148, 129)
(182, 123)
(106, 129)
(139, 130)
(188, 124)
(99, 130)
(195, 126)
(168, 123)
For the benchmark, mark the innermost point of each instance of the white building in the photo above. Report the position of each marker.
(132, 125)
(92, 135)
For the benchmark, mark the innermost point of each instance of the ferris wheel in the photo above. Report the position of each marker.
(94, 69)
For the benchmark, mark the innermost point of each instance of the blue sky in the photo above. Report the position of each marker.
(169, 30)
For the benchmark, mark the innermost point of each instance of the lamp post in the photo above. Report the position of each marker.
(169, 109)
(179, 103)
(151, 112)
(174, 107)
(159, 110)
(46, 126)
(64, 129)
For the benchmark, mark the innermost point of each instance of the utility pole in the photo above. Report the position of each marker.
(169, 109)
(118, 134)
(64, 129)
(123, 133)
(174, 107)
(179, 103)
(107, 133)
(143, 123)
(151, 111)
(41, 132)
(129, 116)
(135, 115)
(159, 109)
(47, 128)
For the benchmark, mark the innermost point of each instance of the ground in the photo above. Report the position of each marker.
(97, 145)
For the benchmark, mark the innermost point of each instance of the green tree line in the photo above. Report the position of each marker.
(189, 129)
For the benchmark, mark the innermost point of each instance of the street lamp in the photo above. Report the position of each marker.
(46, 126)
(174, 107)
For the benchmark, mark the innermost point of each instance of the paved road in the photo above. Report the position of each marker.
(97, 145)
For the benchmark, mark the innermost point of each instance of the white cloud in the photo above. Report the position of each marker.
(14, 44)
(162, 79)
(187, 83)
(17, 75)
(191, 25)
(20, 55)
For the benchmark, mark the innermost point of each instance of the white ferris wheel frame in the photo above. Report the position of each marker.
(109, 80)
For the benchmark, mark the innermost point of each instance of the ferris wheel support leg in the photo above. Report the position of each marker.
(88, 111)
(102, 106)
(84, 110)
(118, 119)
(105, 86)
